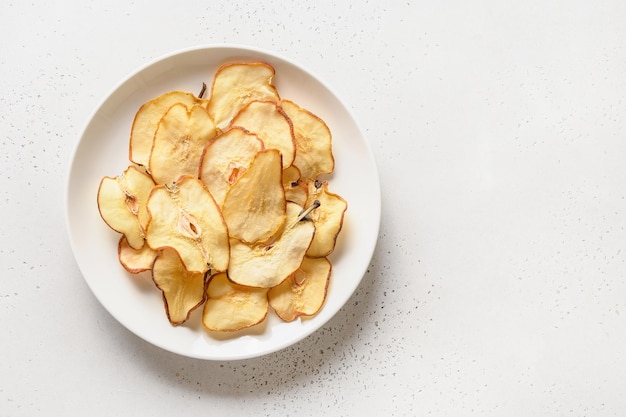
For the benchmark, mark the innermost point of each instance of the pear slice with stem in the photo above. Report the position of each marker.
(267, 264)
(147, 120)
(304, 292)
(236, 85)
(179, 141)
(183, 290)
(313, 140)
(254, 207)
(328, 219)
(185, 217)
(226, 158)
(230, 307)
(122, 203)
(267, 120)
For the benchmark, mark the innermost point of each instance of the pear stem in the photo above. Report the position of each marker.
(202, 91)
(306, 212)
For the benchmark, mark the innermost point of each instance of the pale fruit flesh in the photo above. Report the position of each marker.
(304, 292)
(183, 291)
(236, 85)
(231, 307)
(226, 158)
(122, 204)
(267, 120)
(185, 217)
(267, 265)
(255, 206)
(179, 141)
(313, 140)
(147, 120)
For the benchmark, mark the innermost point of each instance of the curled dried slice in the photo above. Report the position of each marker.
(313, 141)
(147, 120)
(236, 85)
(179, 141)
(226, 158)
(135, 260)
(122, 203)
(267, 265)
(231, 307)
(328, 219)
(304, 292)
(254, 207)
(186, 218)
(183, 291)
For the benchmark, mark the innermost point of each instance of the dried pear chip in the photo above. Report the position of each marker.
(271, 125)
(267, 265)
(328, 219)
(236, 85)
(254, 207)
(122, 203)
(304, 292)
(226, 158)
(232, 307)
(135, 260)
(179, 141)
(186, 218)
(183, 291)
(314, 154)
(296, 190)
(147, 120)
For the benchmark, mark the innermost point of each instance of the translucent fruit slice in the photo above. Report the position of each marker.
(135, 260)
(122, 203)
(304, 292)
(267, 265)
(254, 207)
(328, 219)
(226, 158)
(313, 141)
(185, 217)
(183, 291)
(236, 85)
(231, 307)
(147, 120)
(271, 125)
(179, 141)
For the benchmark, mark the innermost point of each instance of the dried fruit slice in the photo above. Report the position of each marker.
(267, 265)
(183, 291)
(254, 207)
(271, 125)
(147, 120)
(313, 141)
(304, 292)
(231, 307)
(135, 260)
(122, 203)
(184, 217)
(226, 158)
(178, 142)
(236, 85)
(296, 190)
(328, 219)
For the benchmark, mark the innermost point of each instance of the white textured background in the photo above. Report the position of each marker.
(498, 284)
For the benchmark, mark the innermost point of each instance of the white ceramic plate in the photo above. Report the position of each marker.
(103, 150)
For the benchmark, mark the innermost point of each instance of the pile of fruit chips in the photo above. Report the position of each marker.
(222, 202)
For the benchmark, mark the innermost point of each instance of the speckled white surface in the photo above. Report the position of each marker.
(498, 286)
